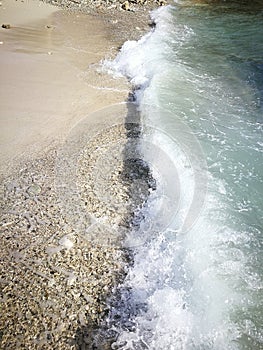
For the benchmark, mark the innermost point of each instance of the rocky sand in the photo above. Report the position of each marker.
(55, 278)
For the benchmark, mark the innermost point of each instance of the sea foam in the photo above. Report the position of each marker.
(194, 284)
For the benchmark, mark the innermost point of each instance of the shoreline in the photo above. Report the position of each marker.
(55, 279)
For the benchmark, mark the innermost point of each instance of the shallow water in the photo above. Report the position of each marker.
(196, 280)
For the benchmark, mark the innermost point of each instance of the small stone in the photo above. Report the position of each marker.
(28, 315)
(34, 190)
(6, 26)
(151, 24)
(65, 242)
(112, 7)
(126, 6)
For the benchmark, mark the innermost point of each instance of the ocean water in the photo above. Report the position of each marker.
(196, 277)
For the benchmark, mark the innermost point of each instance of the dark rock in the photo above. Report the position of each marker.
(151, 24)
(6, 26)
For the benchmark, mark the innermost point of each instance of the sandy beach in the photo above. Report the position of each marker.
(54, 280)
(130, 207)
(48, 75)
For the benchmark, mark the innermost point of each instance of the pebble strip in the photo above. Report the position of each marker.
(55, 281)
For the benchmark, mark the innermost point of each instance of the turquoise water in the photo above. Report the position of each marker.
(197, 283)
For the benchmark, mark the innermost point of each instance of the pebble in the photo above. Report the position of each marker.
(34, 190)
(66, 242)
(52, 271)
(126, 6)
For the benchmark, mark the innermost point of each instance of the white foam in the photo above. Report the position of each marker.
(190, 283)
(139, 60)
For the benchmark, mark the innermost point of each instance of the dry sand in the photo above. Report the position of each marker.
(48, 73)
